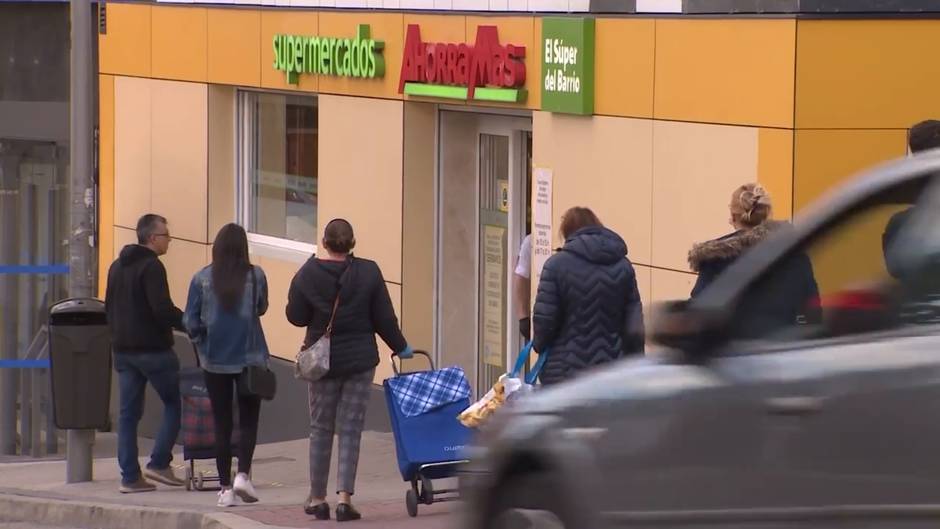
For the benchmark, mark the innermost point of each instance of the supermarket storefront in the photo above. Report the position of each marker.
(445, 138)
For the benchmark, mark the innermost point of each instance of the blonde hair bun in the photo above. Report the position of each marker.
(751, 204)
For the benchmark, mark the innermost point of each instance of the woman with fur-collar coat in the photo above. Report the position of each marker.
(791, 294)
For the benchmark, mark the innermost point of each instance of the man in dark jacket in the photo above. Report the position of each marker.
(923, 136)
(588, 309)
(141, 317)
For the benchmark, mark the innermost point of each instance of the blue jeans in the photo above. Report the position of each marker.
(134, 370)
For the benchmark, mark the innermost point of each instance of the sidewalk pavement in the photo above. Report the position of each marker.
(35, 491)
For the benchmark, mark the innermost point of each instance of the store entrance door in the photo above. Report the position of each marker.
(483, 203)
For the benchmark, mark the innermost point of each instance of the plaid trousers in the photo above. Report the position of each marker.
(337, 406)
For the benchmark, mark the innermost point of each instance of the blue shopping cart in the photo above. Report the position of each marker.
(429, 440)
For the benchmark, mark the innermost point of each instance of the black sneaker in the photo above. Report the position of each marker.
(347, 513)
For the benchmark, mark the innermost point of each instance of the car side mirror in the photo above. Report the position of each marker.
(680, 325)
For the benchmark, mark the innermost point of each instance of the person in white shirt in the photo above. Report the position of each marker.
(522, 286)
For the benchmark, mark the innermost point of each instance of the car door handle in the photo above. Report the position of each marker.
(794, 405)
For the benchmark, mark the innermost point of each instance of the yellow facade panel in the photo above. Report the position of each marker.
(418, 217)
(775, 169)
(668, 285)
(132, 149)
(603, 163)
(125, 48)
(736, 71)
(182, 261)
(384, 369)
(105, 178)
(234, 55)
(644, 282)
(696, 167)
(284, 340)
(285, 22)
(519, 31)
(222, 156)
(360, 175)
(826, 158)
(624, 66)
(179, 160)
(382, 26)
(866, 74)
(179, 43)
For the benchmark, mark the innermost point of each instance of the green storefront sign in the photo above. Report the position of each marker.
(568, 65)
(359, 57)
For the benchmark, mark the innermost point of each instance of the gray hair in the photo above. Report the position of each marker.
(147, 227)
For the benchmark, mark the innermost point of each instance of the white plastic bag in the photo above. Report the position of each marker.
(508, 388)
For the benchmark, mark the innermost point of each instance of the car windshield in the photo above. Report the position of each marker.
(870, 269)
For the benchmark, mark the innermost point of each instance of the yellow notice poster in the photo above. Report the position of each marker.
(494, 312)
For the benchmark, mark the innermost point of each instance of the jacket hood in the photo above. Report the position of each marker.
(732, 246)
(135, 252)
(596, 245)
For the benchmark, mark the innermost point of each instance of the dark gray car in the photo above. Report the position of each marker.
(827, 421)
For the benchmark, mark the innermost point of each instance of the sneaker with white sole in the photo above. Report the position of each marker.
(227, 498)
(244, 489)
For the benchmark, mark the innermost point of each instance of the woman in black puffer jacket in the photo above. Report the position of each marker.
(356, 290)
(588, 309)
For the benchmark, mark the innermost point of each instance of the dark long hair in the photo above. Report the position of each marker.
(230, 265)
(577, 218)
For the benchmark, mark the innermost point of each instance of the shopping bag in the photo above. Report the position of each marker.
(506, 388)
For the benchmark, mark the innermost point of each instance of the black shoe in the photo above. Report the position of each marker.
(321, 512)
(347, 513)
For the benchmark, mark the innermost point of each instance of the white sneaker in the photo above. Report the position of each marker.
(227, 498)
(244, 489)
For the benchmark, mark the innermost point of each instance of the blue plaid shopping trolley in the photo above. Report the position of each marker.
(429, 440)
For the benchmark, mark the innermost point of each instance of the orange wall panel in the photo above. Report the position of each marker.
(285, 22)
(624, 66)
(737, 71)
(869, 74)
(125, 48)
(179, 43)
(234, 56)
(775, 169)
(105, 179)
(826, 158)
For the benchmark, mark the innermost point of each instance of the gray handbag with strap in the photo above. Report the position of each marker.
(313, 363)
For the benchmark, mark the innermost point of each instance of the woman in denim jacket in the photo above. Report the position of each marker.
(226, 300)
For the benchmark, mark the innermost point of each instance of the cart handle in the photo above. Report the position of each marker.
(397, 367)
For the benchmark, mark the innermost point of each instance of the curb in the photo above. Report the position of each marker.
(112, 516)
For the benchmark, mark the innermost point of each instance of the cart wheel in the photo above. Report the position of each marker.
(189, 479)
(427, 490)
(411, 503)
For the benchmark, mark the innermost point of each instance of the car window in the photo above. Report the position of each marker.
(871, 269)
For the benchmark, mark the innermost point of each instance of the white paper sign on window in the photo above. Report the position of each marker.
(541, 220)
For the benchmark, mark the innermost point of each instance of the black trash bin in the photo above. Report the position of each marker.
(80, 358)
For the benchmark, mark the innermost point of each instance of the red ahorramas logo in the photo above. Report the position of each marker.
(488, 70)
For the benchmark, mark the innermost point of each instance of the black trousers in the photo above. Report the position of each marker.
(222, 388)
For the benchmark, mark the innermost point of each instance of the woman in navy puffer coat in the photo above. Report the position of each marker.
(588, 309)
